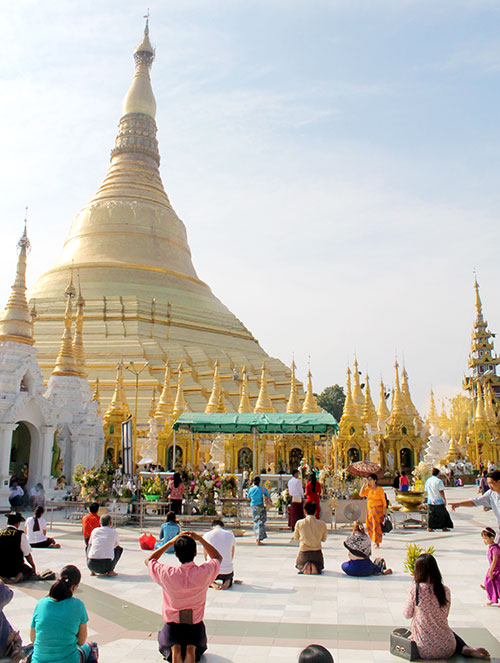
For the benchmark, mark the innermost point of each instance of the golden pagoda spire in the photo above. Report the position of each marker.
(16, 324)
(264, 403)
(65, 362)
(78, 349)
(432, 417)
(349, 407)
(140, 97)
(214, 404)
(382, 410)
(369, 414)
(453, 453)
(165, 407)
(244, 405)
(443, 421)
(480, 414)
(118, 404)
(479, 305)
(180, 403)
(357, 394)
(405, 391)
(310, 402)
(489, 408)
(294, 404)
(398, 406)
(96, 396)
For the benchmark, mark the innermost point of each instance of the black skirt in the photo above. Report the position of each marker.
(438, 517)
(183, 635)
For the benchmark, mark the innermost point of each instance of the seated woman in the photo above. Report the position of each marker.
(428, 604)
(168, 531)
(59, 624)
(360, 548)
(10, 640)
(36, 531)
(310, 533)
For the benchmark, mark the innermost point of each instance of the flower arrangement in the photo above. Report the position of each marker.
(96, 483)
(154, 487)
(413, 550)
(229, 483)
(284, 500)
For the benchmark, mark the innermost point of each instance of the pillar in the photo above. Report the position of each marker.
(6, 431)
(46, 442)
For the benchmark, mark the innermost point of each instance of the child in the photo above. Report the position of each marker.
(492, 580)
(168, 531)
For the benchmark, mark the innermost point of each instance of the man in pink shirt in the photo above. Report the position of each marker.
(183, 637)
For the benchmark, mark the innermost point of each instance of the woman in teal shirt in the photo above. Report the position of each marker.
(259, 497)
(59, 623)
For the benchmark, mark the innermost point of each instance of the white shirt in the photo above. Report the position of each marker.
(39, 536)
(295, 488)
(223, 541)
(102, 543)
(491, 499)
(14, 492)
(433, 486)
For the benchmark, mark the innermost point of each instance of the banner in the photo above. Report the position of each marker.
(127, 449)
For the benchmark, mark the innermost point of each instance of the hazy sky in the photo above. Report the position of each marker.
(336, 163)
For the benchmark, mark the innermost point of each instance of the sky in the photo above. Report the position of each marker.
(338, 159)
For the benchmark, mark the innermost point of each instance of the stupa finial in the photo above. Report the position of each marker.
(65, 362)
(140, 97)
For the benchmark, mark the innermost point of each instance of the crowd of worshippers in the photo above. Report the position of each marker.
(58, 627)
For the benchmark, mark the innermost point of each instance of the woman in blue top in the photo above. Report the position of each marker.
(59, 623)
(259, 497)
(168, 531)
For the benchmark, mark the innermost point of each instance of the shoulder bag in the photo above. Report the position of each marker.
(401, 644)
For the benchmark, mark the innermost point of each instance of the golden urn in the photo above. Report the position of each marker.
(410, 500)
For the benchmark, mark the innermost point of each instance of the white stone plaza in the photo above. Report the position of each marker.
(275, 613)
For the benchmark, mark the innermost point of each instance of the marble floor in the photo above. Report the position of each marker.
(275, 613)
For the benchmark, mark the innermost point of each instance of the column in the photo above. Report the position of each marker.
(47, 443)
(6, 431)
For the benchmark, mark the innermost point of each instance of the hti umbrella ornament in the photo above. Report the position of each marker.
(364, 468)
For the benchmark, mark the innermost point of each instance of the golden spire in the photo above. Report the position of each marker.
(489, 408)
(479, 306)
(16, 324)
(96, 396)
(140, 97)
(405, 391)
(357, 394)
(165, 407)
(78, 349)
(244, 405)
(369, 414)
(443, 421)
(432, 417)
(213, 404)
(65, 362)
(453, 453)
(480, 413)
(180, 403)
(382, 410)
(310, 402)
(293, 404)
(398, 406)
(263, 403)
(349, 407)
(118, 403)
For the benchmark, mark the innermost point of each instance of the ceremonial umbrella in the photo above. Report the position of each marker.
(363, 468)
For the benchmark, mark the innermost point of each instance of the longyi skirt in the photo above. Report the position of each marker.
(313, 556)
(183, 635)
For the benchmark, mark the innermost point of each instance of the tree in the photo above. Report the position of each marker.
(332, 400)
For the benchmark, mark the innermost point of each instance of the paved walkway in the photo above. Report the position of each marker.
(275, 612)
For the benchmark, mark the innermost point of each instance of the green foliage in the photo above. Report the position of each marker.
(413, 550)
(332, 400)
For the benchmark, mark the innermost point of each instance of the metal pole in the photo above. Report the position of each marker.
(173, 451)
(253, 454)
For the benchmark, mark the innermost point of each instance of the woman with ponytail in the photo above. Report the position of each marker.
(428, 604)
(59, 624)
(36, 531)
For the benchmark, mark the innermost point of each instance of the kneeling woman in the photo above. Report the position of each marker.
(59, 624)
(310, 533)
(36, 531)
(360, 549)
(428, 604)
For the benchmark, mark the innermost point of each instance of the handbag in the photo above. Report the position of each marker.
(387, 525)
(402, 646)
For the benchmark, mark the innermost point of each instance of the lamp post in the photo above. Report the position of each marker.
(136, 371)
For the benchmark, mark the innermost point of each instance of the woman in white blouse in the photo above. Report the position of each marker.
(36, 531)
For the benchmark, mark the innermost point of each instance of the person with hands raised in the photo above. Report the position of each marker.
(183, 638)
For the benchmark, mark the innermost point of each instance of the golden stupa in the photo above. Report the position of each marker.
(143, 298)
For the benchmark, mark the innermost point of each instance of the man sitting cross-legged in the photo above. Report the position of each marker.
(310, 532)
(14, 550)
(183, 636)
